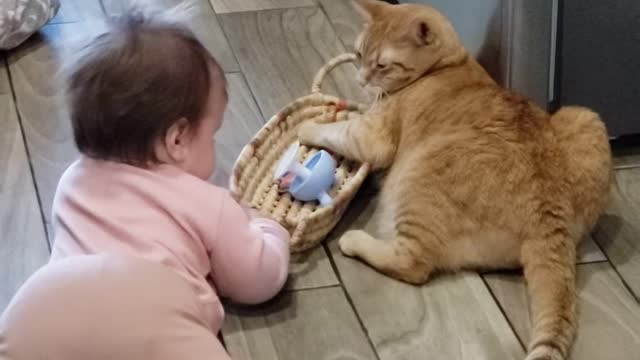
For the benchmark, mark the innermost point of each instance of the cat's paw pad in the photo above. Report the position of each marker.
(349, 243)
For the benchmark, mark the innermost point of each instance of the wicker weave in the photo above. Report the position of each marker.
(252, 177)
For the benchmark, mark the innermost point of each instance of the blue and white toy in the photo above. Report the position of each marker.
(313, 179)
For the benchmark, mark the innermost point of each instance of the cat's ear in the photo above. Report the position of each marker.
(369, 8)
(421, 33)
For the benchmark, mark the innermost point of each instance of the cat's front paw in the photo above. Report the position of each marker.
(545, 353)
(308, 133)
(349, 242)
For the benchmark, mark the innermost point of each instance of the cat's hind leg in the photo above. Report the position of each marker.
(397, 258)
(550, 271)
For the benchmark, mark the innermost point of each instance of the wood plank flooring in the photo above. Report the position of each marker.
(588, 252)
(606, 312)
(618, 231)
(333, 307)
(277, 331)
(5, 86)
(241, 121)
(35, 70)
(280, 51)
(345, 19)
(23, 245)
(227, 6)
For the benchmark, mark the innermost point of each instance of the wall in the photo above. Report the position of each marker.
(479, 24)
(531, 47)
(601, 60)
(512, 39)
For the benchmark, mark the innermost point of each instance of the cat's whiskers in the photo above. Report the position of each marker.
(378, 100)
(378, 96)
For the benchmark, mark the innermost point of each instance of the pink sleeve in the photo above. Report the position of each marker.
(249, 257)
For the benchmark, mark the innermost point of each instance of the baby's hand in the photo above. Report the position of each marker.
(255, 213)
(251, 212)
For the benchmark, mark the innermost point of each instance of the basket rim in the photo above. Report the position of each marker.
(247, 150)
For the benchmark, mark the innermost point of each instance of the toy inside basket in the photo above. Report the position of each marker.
(252, 179)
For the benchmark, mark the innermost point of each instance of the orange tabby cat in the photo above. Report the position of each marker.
(476, 176)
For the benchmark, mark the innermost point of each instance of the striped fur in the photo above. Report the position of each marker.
(476, 177)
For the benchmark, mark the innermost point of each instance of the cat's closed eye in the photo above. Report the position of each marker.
(382, 66)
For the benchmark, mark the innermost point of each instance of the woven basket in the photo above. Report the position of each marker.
(252, 177)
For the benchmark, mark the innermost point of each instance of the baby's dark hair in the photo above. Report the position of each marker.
(134, 82)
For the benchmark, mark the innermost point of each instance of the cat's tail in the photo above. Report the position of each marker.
(583, 136)
(550, 271)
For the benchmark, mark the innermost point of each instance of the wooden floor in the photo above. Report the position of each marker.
(334, 308)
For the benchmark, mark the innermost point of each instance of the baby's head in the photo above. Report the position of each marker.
(148, 92)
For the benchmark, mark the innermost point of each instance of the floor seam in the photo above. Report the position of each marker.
(504, 313)
(235, 57)
(626, 167)
(260, 10)
(333, 27)
(334, 266)
(18, 113)
(615, 268)
(312, 288)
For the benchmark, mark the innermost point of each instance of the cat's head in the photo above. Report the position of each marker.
(401, 43)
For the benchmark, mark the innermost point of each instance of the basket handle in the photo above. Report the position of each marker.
(322, 73)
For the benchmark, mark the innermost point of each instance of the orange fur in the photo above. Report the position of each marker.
(475, 176)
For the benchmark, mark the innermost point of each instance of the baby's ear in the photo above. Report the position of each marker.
(176, 140)
(369, 9)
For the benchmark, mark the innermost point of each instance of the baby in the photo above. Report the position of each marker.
(144, 245)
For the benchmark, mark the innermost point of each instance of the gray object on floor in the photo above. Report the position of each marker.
(19, 19)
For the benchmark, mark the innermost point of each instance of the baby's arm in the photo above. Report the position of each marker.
(249, 257)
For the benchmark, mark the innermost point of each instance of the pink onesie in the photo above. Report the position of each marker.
(164, 216)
